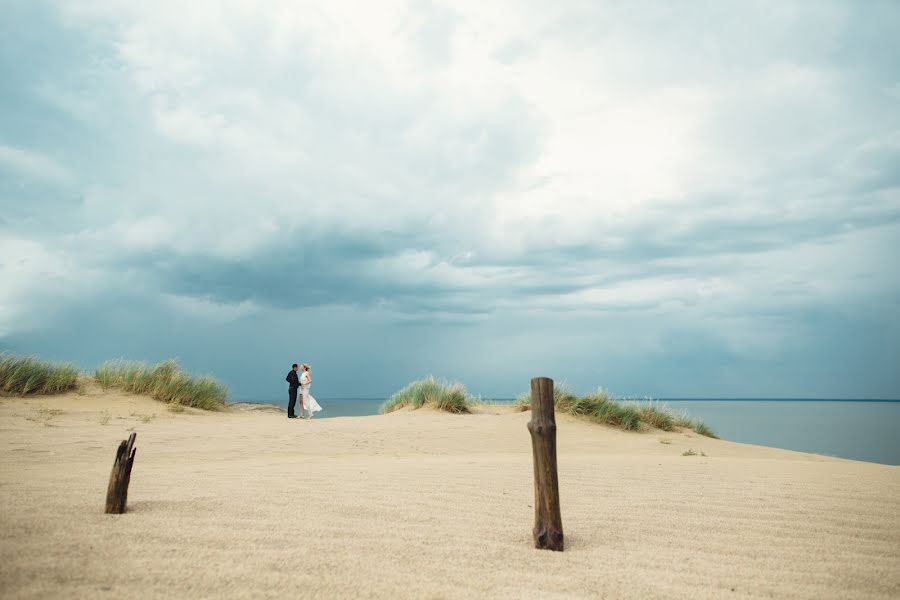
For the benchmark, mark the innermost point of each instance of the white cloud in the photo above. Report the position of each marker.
(332, 100)
(603, 121)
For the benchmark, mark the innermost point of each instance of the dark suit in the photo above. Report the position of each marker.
(293, 384)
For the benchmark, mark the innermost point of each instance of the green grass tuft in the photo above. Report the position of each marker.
(628, 415)
(165, 382)
(656, 415)
(23, 375)
(563, 400)
(441, 395)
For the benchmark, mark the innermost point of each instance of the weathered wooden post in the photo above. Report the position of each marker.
(117, 492)
(548, 532)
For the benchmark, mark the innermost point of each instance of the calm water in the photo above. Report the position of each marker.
(861, 430)
(857, 429)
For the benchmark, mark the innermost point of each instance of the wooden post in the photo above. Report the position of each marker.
(548, 532)
(117, 492)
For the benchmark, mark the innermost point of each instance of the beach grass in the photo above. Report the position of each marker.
(656, 415)
(449, 397)
(630, 415)
(684, 421)
(23, 375)
(165, 382)
(692, 452)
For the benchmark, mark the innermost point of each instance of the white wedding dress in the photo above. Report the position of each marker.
(309, 403)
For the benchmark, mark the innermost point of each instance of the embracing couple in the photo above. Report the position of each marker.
(304, 381)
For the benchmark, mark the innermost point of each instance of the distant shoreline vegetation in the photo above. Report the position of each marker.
(599, 407)
(166, 382)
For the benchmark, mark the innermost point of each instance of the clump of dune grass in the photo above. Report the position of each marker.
(628, 415)
(692, 452)
(656, 415)
(438, 394)
(686, 422)
(596, 406)
(23, 375)
(563, 399)
(165, 382)
(604, 409)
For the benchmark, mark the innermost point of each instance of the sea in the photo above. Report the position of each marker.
(866, 430)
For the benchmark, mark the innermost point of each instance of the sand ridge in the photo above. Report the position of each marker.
(249, 504)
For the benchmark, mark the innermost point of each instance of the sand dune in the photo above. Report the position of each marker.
(249, 504)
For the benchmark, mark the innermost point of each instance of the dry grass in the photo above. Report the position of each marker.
(692, 452)
(165, 382)
(23, 375)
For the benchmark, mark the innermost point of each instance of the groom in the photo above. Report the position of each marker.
(293, 384)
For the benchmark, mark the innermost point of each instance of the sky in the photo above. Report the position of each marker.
(661, 199)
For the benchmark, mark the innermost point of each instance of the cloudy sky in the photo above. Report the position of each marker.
(664, 199)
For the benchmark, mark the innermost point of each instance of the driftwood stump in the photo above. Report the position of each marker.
(548, 532)
(117, 492)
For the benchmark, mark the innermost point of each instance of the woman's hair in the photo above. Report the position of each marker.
(305, 367)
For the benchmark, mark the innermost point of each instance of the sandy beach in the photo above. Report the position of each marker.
(249, 504)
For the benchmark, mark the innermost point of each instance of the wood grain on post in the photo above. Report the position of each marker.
(117, 492)
(548, 532)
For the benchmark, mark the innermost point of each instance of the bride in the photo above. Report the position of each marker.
(308, 401)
